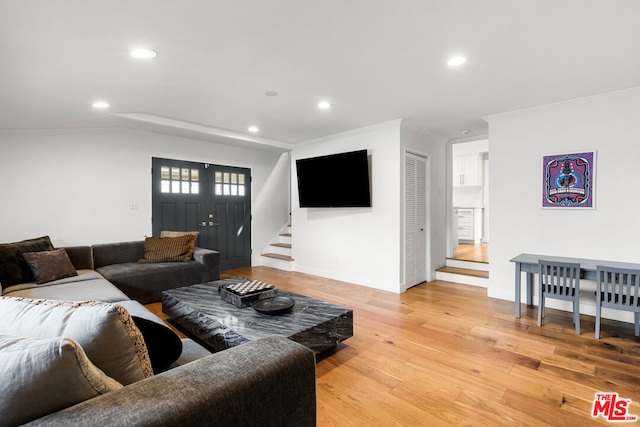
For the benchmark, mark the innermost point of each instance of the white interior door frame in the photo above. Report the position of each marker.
(416, 229)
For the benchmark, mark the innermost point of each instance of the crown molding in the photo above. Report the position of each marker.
(556, 105)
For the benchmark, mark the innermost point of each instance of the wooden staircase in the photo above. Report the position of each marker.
(278, 254)
(465, 272)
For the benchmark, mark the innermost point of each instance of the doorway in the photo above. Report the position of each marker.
(214, 200)
(469, 213)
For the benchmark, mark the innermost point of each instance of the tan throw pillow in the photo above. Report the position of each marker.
(106, 332)
(166, 233)
(48, 266)
(41, 376)
(168, 249)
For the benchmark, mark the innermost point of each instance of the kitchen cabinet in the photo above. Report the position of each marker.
(466, 170)
(469, 225)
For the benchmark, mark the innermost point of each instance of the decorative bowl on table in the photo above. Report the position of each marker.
(274, 305)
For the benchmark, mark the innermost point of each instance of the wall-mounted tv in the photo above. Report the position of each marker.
(334, 181)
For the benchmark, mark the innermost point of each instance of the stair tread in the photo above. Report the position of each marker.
(278, 256)
(285, 234)
(282, 245)
(464, 271)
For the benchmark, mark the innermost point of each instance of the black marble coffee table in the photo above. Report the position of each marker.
(219, 325)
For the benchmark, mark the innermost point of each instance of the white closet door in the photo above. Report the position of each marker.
(415, 270)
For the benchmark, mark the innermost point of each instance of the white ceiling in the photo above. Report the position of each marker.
(374, 60)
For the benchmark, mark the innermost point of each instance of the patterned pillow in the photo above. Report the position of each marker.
(48, 266)
(106, 332)
(168, 249)
(41, 376)
(13, 268)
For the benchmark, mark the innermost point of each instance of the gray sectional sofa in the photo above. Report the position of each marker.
(269, 382)
(118, 263)
(104, 266)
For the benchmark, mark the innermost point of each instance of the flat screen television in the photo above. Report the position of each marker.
(334, 181)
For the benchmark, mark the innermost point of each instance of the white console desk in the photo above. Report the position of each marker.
(528, 263)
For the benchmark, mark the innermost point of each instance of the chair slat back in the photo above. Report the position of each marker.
(618, 287)
(559, 278)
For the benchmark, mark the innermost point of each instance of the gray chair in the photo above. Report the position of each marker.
(559, 280)
(618, 288)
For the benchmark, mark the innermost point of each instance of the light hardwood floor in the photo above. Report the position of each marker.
(446, 354)
(475, 253)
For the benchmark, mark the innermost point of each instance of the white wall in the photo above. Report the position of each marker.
(357, 245)
(607, 124)
(77, 185)
(364, 245)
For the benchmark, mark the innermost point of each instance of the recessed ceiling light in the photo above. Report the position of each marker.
(324, 105)
(254, 129)
(100, 104)
(143, 53)
(456, 60)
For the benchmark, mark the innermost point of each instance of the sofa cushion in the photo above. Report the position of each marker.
(168, 249)
(105, 331)
(13, 267)
(117, 253)
(87, 285)
(48, 266)
(40, 376)
(145, 282)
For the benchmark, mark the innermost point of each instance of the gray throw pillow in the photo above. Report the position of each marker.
(13, 268)
(41, 376)
(106, 332)
(48, 266)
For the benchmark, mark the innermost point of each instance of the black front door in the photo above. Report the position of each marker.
(212, 199)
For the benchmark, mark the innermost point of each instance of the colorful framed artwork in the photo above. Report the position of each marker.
(568, 180)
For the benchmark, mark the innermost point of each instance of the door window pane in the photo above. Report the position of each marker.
(164, 172)
(230, 184)
(180, 180)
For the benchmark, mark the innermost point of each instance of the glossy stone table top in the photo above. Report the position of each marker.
(201, 311)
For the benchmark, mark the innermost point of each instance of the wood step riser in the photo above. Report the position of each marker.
(278, 264)
(280, 250)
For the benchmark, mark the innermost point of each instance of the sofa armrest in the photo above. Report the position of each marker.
(267, 382)
(211, 260)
